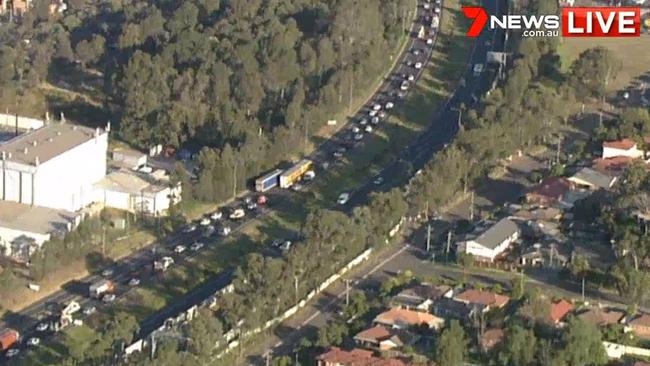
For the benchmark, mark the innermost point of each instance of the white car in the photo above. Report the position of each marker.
(368, 129)
(107, 272)
(382, 114)
(13, 352)
(108, 298)
(251, 206)
(297, 187)
(237, 214)
(179, 249)
(225, 231)
(42, 327)
(411, 78)
(375, 120)
(134, 282)
(389, 105)
(363, 121)
(189, 228)
(358, 137)
(34, 341)
(427, 6)
(378, 181)
(89, 310)
(355, 129)
(337, 154)
(405, 85)
(376, 107)
(418, 65)
(309, 175)
(372, 113)
(196, 246)
(217, 215)
(286, 245)
(430, 41)
(205, 221)
(343, 198)
(437, 10)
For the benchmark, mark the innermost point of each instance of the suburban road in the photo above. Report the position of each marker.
(139, 264)
(442, 130)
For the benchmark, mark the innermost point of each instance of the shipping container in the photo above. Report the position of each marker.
(8, 337)
(268, 181)
(293, 174)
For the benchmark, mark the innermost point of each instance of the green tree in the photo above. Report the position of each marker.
(580, 268)
(519, 348)
(205, 330)
(593, 70)
(90, 50)
(452, 345)
(583, 344)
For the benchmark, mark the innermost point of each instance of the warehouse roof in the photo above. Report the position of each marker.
(497, 234)
(35, 219)
(45, 143)
(127, 182)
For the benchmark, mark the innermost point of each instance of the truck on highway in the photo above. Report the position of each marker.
(422, 32)
(435, 21)
(8, 337)
(101, 287)
(268, 181)
(293, 174)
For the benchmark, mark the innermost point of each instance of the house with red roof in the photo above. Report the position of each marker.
(404, 319)
(559, 310)
(640, 325)
(383, 338)
(625, 147)
(356, 357)
(485, 299)
(550, 191)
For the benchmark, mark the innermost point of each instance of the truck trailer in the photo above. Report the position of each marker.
(293, 174)
(8, 337)
(99, 288)
(268, 181)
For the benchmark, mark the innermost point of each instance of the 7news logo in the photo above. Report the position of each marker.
(574, 22)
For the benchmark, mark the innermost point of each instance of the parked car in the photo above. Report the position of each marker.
(343, 198)
(337, 154)
(372, 113)
(33, 341)
(368, 129)
(418, 65)
(189, 228)
(363, 121)
(107, 272)
(108, 298)
(196, 246)
(217, 215)
(376, 107)
(225, 231)
(355, 129)
(297, 187)
(89, 310)
(375, 120)
(252, 206)
(309, 175)
(179, 249)
(358, 136)
(42, 327)
(134, 282)
(378, 181)
(237, 214)
(205, 221)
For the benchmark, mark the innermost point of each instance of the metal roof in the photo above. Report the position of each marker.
(495, 235)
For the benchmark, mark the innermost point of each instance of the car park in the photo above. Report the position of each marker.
(217, 215)
(196, 246)
(108, 298)
(33, 341)
(343, 198)
(134, 282)
(179, 249)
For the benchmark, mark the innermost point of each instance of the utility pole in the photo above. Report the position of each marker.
(104, 241)
(347, 292)
(268, 358)
(448, 244)
(295, 284)
(351, 92)
(428, 237)
(234, 179)
(557, 153)
(471, 206)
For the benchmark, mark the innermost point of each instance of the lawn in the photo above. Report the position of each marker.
(633, 52)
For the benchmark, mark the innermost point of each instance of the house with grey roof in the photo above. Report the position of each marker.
(492, 242)
(592, 179)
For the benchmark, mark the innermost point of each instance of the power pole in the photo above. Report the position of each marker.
(448, 244)
(347, 292)
(351, 92)
(557, 153)
(471, 207)
(234, 179)
(295, 283)
(104, 241)
(268, 358)
(428, 237)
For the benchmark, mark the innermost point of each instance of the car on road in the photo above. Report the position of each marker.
(478, 69)
(358, 137)
(108, 298)
(416, 51)
(217, 215)
(430, 41)
(12, 352)
(134, 282)
(42, 327)
(355, 129)
(179, 249)
(368, 129)
(33, 341)
(418, 65)
(426, 6)
(196, 246)
(389, 105)
(107, 272)
(363, 121)
(337, 154)
(89, 310)
(189, 228)
(343, 198)
(297, 187)
(405, 85)
(225, 231)
(252, 206)
(437, 10)
(309, 175)
(376, 107)
(375, 120)
(237, 214)
(372, 113)
(410, 77)
(205, 221)
(378, 181)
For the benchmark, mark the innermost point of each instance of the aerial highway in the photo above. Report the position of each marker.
(408, 69)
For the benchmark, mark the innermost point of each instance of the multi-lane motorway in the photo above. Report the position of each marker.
(409, 67)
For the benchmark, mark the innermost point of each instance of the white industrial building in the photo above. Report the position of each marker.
(54, 166)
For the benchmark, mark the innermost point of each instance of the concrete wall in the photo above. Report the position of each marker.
(66, 181)
(25, 123)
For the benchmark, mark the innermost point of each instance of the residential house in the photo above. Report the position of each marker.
(491, 338)
(612, 166)
(551, 191)
(624, 147)
(493, 242)
(485, 299)
(544, 255)
(592, 179)
(404, 319)
(420, 297)
(449, 308)
(602, 317)
(382, 338)
(356, 357)
(640, 325)
(559, 310)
